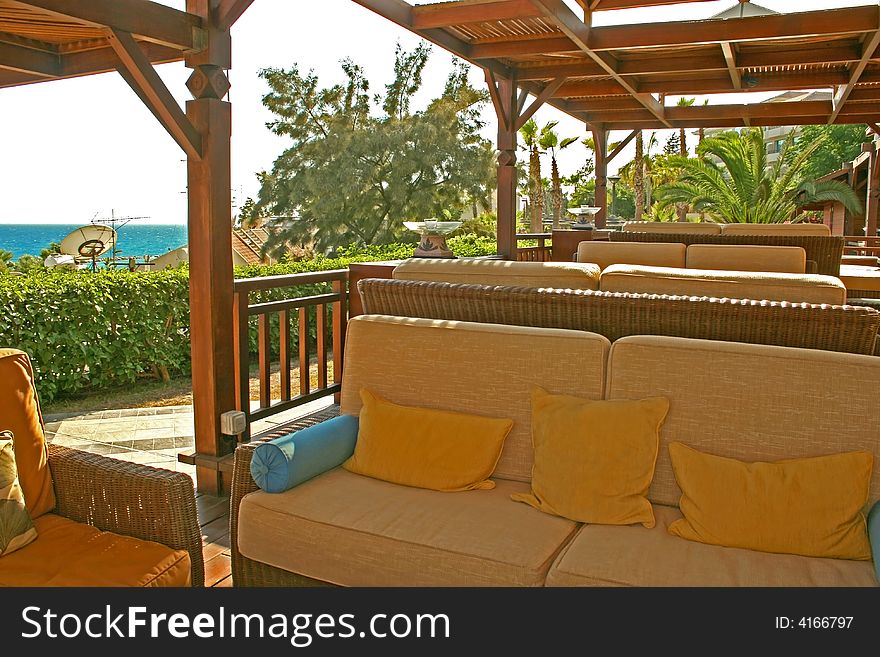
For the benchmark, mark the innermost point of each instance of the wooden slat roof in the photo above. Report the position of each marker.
(52, 39)
(617, 75)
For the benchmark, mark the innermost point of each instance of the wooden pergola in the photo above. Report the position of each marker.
(533, 52)
(617, 77)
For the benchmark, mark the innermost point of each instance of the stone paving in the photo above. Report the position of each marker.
(149, 436)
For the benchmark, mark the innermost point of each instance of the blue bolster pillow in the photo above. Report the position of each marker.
(285, 462)
(874, 536)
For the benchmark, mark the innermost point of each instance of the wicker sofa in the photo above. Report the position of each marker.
(345, 529)
(99, 521)
(615, 315)
(823, 251)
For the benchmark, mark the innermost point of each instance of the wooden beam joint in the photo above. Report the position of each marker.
(138, 72)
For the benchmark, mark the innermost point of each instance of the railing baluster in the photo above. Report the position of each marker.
(284, 353)
(304, 351)
(265, 361)
(340, 313)
(321, 330)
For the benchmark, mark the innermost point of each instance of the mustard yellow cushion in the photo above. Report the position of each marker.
(810, 506)
(426, 448)
(594, 460)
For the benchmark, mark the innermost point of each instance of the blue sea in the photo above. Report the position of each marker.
(133, 240)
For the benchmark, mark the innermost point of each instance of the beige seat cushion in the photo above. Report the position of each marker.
(674, 227)
(775, 229)
(470, 368)
(746, 257)
(351, 530)
(804, 288)
(651, 254)
(602, 555)
(859, 277)
(500, 272)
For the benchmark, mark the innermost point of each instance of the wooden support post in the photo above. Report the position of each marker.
(600, 138)
(210, 248)
(504, 98)
(872, 200)
(340, 321)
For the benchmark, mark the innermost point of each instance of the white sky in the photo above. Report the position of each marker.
(73, 148)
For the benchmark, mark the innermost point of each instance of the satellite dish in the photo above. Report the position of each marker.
(62, 260)
(171, 259)
(88, 243)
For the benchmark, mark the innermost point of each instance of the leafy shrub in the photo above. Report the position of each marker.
(86, 330)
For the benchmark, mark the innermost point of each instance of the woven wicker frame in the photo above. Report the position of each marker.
(825, 250)
(130, 499)
(849, 329)
(247, 572)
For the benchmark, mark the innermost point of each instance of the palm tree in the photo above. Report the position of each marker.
(731, 181)
(531, 137)
(681, 209)
(639, 175)
(549, 141)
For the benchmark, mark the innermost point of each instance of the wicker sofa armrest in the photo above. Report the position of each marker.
(243, 482)
(125, 498)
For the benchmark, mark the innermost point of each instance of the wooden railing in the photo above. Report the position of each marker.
(541, 253)
(861, 245)
(243, 311)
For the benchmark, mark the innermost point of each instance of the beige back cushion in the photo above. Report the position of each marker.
(676, 227)
(750, 402)
(485, 369)
(769, 286)
(568, 275)
(654, 254)
(775, 229)
(745, 257)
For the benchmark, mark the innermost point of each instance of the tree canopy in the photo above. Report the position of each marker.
(352, 173)
(839, 144)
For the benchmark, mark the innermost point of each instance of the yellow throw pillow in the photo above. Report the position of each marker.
(426, 448)
(594, 460)
(808, 506)
(16, 527)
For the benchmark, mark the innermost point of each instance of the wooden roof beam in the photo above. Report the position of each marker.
(870, 45)
(545, 95)
(852, 20)
(229, 11)
(710, 85)
(400, 12)
(139, 73)
(727, 48)
(149, 20)
(579, 33)
(29, 60)
(430, 16)
(606, 5)
(620, 146)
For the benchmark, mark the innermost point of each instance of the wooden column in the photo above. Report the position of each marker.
(600, 138)
(872, 197)
(210, 248)
(507, 109)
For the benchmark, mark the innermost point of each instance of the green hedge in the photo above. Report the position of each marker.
(87, 330)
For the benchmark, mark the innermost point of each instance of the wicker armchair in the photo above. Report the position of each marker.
(125, 498)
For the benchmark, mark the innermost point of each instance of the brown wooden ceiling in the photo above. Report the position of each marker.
(617, 75)
(52, 39)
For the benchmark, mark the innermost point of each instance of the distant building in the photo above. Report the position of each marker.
(775, 136)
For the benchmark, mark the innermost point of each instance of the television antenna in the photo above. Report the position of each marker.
(115, 223)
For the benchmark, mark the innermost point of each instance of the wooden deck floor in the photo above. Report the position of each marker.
(214, 521)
